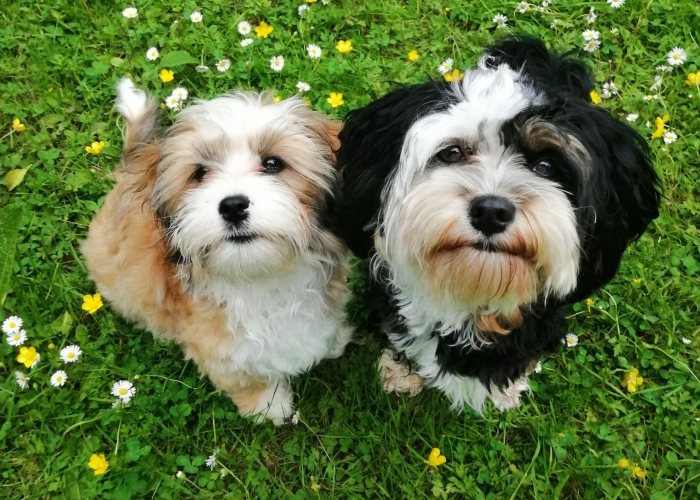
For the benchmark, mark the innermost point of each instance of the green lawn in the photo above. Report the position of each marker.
(59, 64)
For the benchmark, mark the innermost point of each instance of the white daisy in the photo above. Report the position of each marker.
(445, 66)
(538, 367)
(244, 27)
(59, 378)
(539, 8)
(130, 12)
(616, 4)
(202, 68)
(277, 63)
(590, 18)
(676, 56)
(590, 35)
(591, 45)
(172, 102)
(545, 3)
(196, 17)
(70, 354)
(500, 21)
(180, 93)
(211, 461)
(314, 51)
(296, 417)
(16, 339)
(657, 82)
(124, 390)
(684, 340)
(179, 474)
(610, 89)
(324, 2)
(223, 65)
(302, 8)
(152, 54)
(663, 69)
(22, 379)
(632, 117)
(222, 472)
(523, 7)
(571, 340)
(614, 31)
(554, 23)
(246, 41)
(12, 324)
(670, 137)
(303, 87)
(647, 124)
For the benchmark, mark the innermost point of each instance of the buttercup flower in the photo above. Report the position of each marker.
(632, 380)
(152, 54)
(314, 51)
(28, 356)
(95, 148)
(571, 340)
(676, 57)
(124, 390)
(173, 102)
(693, 79)
(17, 339)
(277, 63)
(22, 379)
(310, 1)
(303, 87)
(263, 30)
(660, 123)
(98, 463)
(590, 35)
(180, 93)
(413, 55)
(302, 8)
(246, 41)
(166, 75)
(91, 303)
(632, 117)
(623, 462)
(59, 378)
(70, 354)
(12, 324)
(335, 100)
(455, 76)
(223, 65)
(500, 21)
(523, 7)
(196, 17)
(18, 126)
(616, 4)
(435, 459)
(595, 98)
(445, 66)
(244, 27)
(591, 45)
(638, 472)
(670, 137)
(344, 46)
(130, 12)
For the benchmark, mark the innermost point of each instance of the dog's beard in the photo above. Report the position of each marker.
(428, 236)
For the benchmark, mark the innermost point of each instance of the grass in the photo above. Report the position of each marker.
(60, 62)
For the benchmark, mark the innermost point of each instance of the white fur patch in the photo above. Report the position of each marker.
(131, 101)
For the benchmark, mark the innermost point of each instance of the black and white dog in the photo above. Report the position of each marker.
(488, 206)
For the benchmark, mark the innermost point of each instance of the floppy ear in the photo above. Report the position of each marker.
(618, 201)
(370, 148)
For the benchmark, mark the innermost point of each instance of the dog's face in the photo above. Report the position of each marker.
(500, 188)
(242, 183)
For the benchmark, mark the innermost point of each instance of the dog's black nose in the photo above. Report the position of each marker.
(491, 214)
(234, 208)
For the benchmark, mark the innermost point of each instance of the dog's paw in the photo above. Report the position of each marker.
(509, 398)
(275, 404)
(397, 376)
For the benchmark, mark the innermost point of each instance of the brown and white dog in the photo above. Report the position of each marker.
(215, 237)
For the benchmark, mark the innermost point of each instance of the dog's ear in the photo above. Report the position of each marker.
(560, 74)
(618, 201)
(370, 148)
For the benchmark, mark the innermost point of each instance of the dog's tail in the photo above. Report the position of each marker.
(142, 118)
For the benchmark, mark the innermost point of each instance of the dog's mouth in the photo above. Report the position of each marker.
(487, 246)
(242, 239)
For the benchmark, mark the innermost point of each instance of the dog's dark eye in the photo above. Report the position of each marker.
(544, 167)
(272, 165)
(200, 172)
(451, 154)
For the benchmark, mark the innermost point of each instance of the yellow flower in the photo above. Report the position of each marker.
(589, 304)
(344, 46)
(18, 126)
(413, 55)
(91, 303)
(638, 472)
(311, 1)
(263, 30)
(277, 99)
(632, 380)
(95, 148)
(624, 463)
(435, 459)
(637, 281)
(454, 76)
(595, 98)
(98, 463)
(660, 123)
(51, 346)
(166, 75)
(28, 356)
(693, 79)
(335, 100)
